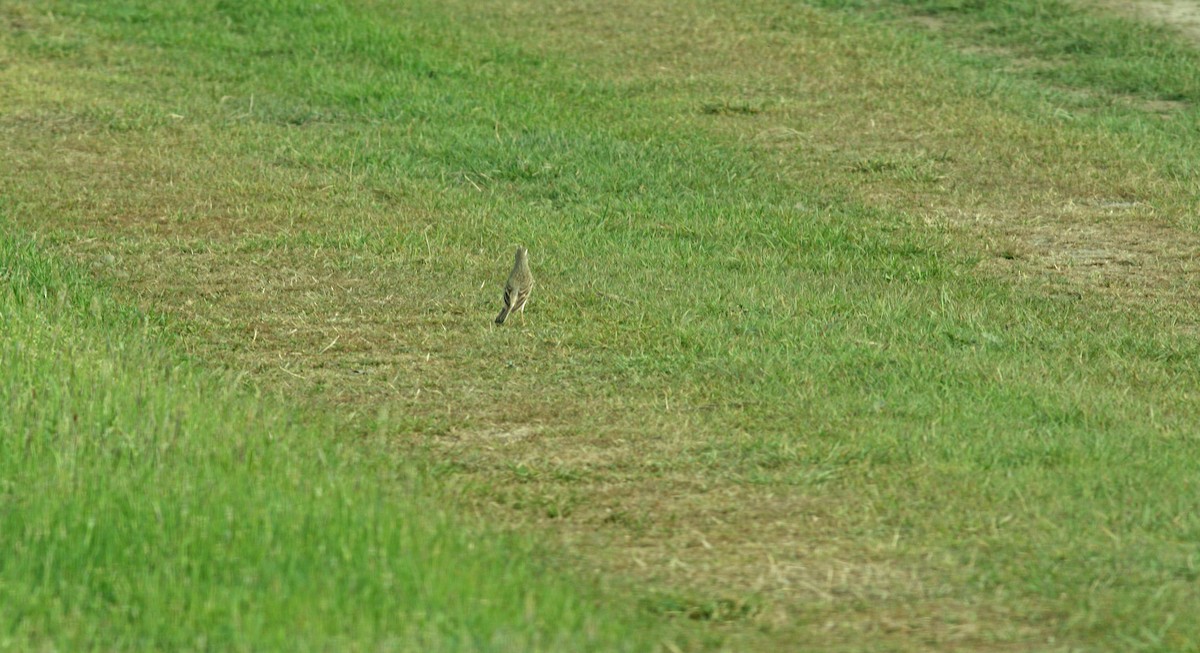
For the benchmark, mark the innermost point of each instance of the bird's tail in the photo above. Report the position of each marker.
(502, 316)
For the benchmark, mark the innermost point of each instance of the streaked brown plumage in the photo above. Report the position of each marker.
(516, 290)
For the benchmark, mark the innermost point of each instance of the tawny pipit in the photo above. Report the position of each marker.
(516, 290)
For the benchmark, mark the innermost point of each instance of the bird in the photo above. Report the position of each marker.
(516, 290)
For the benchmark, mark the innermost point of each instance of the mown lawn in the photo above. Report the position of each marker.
(858, 325)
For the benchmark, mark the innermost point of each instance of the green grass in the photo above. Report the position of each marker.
(773, 364)
(150, 505)
(1066, 43)
(1068, 68)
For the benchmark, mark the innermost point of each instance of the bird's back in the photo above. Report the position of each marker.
(516, 289)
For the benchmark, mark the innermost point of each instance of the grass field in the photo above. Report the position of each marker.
(858, 326)
(149, 505)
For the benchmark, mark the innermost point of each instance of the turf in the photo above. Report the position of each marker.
(856, 325)
(152, 505)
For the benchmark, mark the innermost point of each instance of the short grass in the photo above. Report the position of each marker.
(149, 505)
(1063, 42)
(857, 326)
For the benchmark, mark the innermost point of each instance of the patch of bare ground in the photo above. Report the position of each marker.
(1180, 15)
(1104, 247)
